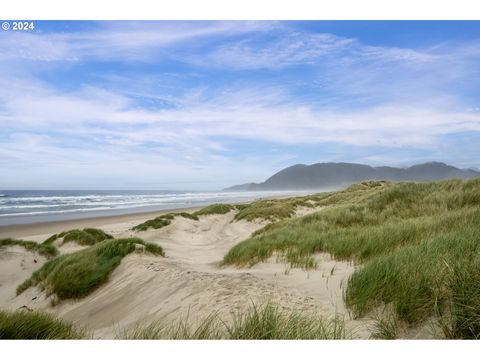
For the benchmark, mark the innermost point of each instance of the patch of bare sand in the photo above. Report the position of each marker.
(202, 243)
(16, 265)
(305, 210)
(145, 288)
(70, 247)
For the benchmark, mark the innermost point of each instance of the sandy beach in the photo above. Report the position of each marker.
(39, 229)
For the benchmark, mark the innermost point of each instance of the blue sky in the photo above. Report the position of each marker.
(204, 105)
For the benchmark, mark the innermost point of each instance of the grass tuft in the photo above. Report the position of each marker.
(46, 250)
(78, 274)
(266, 210)
(256, 323)
(163, 220)
(26, 325)
(215, 209)
(385, 326)
(86, 237)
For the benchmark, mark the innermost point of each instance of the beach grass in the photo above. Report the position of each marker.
(85, 237)
(270, 210)
(32, 325)
(418, 243)
(215, 209)
(162, 221)
(258, 322)
(77, 274)
(386, 324)
(46, 250)
(281, 209)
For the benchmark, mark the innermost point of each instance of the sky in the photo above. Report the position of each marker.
(199, 105)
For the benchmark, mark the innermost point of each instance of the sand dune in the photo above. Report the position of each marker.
(190, 282)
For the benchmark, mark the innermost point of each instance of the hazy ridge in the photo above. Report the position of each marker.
(328, 175)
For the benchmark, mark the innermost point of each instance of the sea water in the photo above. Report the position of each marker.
(26, 206)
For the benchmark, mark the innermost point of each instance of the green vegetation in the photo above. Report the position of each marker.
(419, 244)
(386, 325)
(46, 250)
(297, 239)
(271, 209)
(215, 209)
(77, 274)
(86, 237)
(256, 323)
(280, 209)
(266, 210)
(26, 325)
(163, 220)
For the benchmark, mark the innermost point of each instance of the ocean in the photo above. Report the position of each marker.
(28, 206)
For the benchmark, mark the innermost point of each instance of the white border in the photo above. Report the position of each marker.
(244, 350)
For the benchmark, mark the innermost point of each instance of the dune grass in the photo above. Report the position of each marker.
(280, 209)
(85, 237)
(266, 210)
(270, 209)
(162, 221)
(419, 244)
(78, 274)
(297, 239)
(262, 322)
(215, 209)
(26, 325)
(46, 250)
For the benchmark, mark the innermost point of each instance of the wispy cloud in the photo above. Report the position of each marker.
(118, 40)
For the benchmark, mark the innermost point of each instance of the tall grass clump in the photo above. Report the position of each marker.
(270, 322)
(266, 210)
(418, 243)
(46, 250)
(463, 309)
(86, 237)
(162, 221)
(262, 322)
(78, 274)
(26, 325)
(215, 209)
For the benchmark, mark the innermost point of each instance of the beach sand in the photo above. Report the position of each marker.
(187, 282)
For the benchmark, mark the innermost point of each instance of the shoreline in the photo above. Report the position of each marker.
(44, 227)
(55, 226)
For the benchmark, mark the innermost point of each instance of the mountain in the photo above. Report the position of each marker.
(333, 175)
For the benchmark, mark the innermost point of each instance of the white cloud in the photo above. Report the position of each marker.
(121, 41)
(252, 114)
(289, 48)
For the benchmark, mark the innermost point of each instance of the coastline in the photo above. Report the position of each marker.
(50, 227)
(41, 228)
